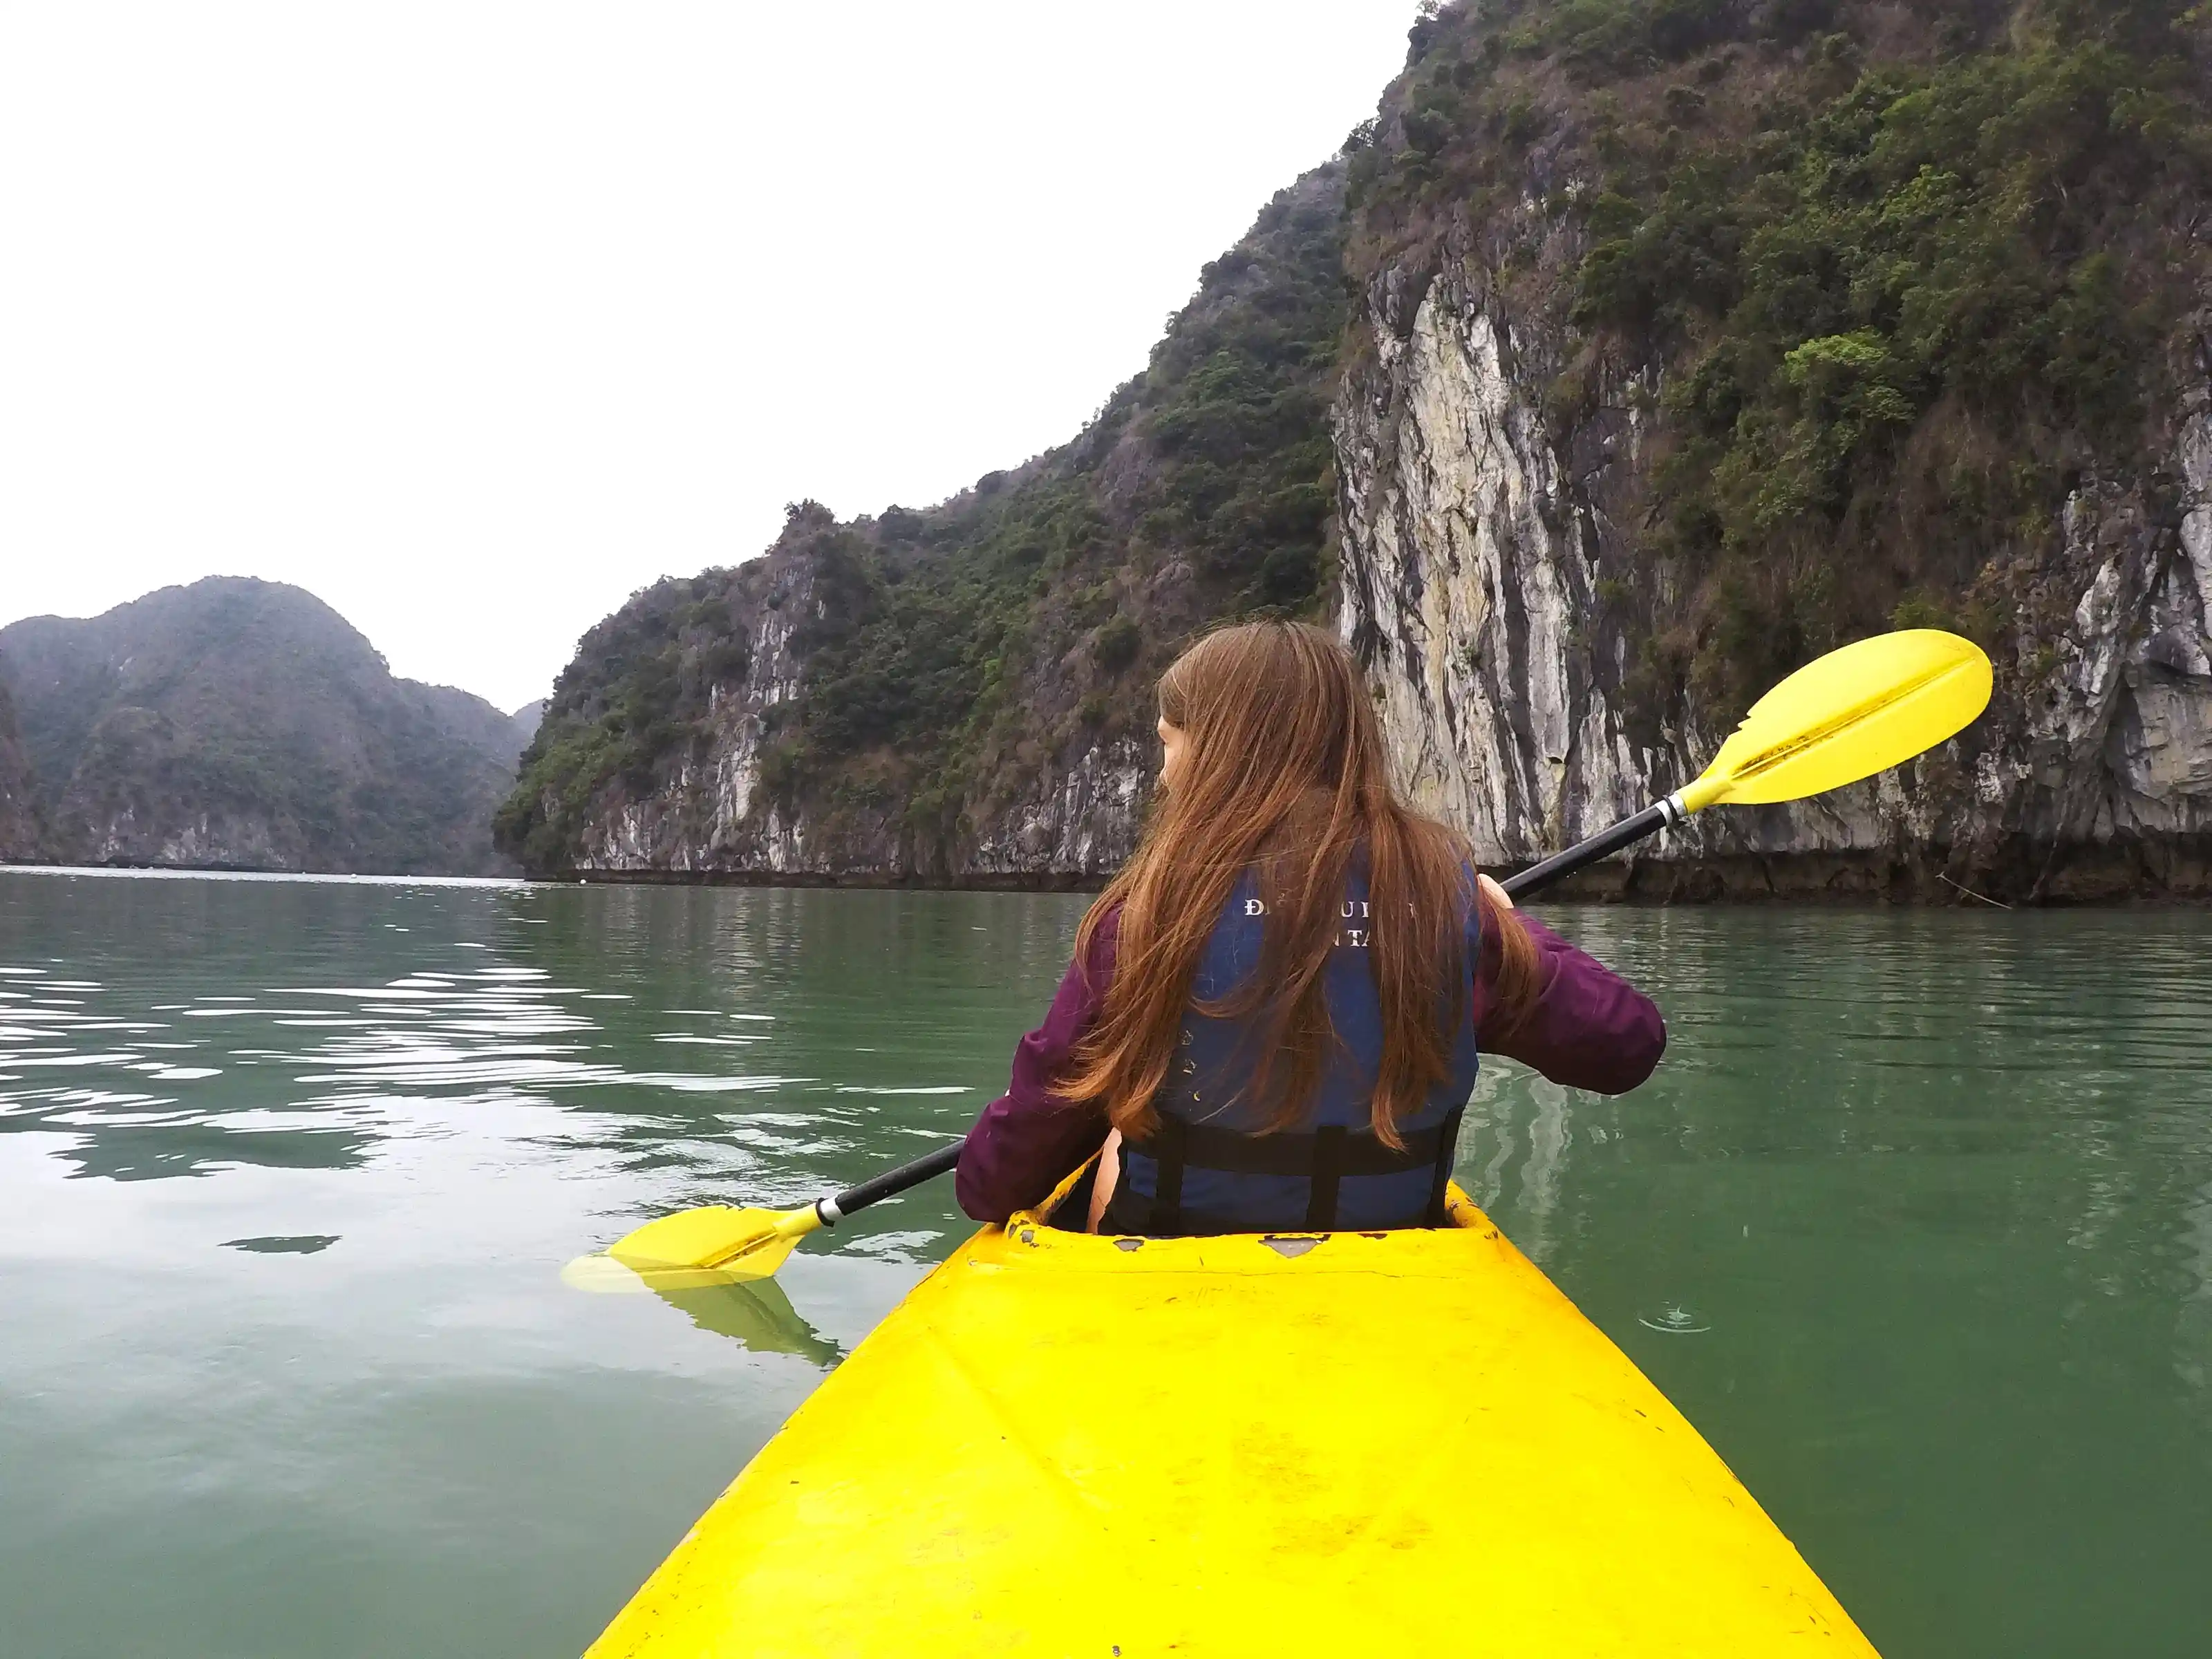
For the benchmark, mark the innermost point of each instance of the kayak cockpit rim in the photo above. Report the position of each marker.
(1031, 1234)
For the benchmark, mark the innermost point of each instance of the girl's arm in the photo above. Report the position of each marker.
(1027, 1140)
(1590, 1028)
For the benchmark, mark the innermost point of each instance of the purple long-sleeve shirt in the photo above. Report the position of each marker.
(1590, 1029)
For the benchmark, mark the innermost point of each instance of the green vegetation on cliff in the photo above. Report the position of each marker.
(19, 835)
(636, 698)
(1901, 278)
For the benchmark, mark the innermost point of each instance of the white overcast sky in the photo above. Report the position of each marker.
(472, 319)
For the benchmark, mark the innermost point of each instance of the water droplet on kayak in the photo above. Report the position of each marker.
(1675, 1321)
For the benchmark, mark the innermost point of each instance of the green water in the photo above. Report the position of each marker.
(1916, 1225)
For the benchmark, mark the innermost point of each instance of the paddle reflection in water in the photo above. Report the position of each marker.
(754, 1312)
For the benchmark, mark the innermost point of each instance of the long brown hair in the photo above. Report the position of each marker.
(1285, 774)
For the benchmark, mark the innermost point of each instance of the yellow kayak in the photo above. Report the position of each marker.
(1388, 1444)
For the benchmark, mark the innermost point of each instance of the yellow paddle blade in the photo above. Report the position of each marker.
(737, 1244)
(1856, 712)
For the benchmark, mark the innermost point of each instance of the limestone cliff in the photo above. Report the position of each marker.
(1639, 351)
(1475, 548)
(1564, 607)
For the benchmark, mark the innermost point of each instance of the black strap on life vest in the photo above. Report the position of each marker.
(1440, 1188)
(1173, 1139)
(1324, 1158)
(1328, 1171)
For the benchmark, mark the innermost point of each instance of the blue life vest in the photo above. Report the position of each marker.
(1209, 1168)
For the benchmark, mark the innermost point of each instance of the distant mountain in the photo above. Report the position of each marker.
(527, 720)
(244, 724)
(18, 817)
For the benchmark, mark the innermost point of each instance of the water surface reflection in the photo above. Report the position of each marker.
(1916, 1225)
(1912, 1225)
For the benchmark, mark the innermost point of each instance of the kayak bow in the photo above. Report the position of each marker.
(1061, 1443)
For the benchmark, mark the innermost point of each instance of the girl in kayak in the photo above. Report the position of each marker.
(1274, 1013)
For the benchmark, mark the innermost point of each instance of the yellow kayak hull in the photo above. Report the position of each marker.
(1387, 1444)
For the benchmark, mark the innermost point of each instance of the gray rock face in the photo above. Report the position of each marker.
(1470, 562)
(715, 819)
(1473, 552)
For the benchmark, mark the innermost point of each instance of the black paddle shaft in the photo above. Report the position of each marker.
(889, 1183)
(1630, 831)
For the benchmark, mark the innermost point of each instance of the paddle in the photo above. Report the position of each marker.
(752, 1243)
(1856, 712)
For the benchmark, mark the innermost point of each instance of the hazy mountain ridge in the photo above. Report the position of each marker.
(527, 720)
(1656, 346)
(241, 723)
